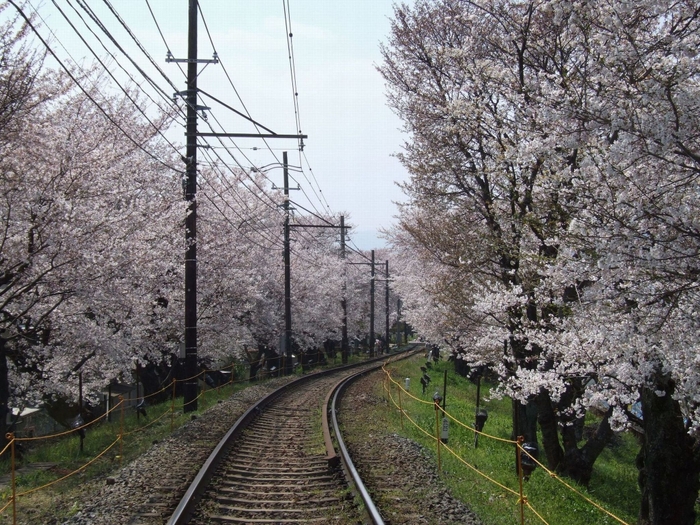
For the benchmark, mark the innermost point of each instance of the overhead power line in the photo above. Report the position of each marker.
(88, 95)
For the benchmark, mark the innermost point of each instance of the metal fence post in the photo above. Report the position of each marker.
(121, 430)
(11, 437)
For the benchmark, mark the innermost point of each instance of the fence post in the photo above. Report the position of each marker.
(11, 438)
(172, 407)
(437, 400)
(518, 446)
(400, 406)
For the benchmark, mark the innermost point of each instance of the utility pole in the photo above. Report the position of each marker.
(398, 321)
(289, 365)
(287, 266)
(344, 302)
(190, 398)
(386, 333)
(190, 187)
(371, 310)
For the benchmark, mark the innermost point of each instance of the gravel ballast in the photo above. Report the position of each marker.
(414, 492)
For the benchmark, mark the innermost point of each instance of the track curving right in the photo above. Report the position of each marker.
(275, 465)
(278, 463)
(276, 472)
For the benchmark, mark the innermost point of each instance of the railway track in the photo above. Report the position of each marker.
(274, 466)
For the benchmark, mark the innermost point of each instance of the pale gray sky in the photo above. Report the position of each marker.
(352, 134)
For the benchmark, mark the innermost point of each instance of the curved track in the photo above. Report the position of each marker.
(273, 466)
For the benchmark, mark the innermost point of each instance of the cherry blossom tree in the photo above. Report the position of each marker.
(463, 78)
(89, 222)
(568, 132)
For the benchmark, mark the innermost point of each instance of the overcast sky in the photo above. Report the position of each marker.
(352, 135)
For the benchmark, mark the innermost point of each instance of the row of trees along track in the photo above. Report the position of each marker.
(271, 468)
(550, 227)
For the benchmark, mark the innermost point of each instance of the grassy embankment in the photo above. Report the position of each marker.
(613, 485)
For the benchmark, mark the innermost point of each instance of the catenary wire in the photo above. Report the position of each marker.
(167, 47)
(90, 97)
(233, 192)
(290, 47)
(99, 60)
(140, 46)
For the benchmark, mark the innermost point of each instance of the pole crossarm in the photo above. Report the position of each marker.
(215, 60)
(250, 135)
(313, 226)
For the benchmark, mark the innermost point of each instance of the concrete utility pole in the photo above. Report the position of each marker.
(289, 365)
(371, 310)
(344, 302)
(190, 187)
(190, 399)
(386, 333)
(398, 321)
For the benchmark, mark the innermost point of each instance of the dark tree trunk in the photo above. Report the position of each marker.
(578, 462)
(524, 424)
(4, 393)
(549, 425)
(668, 462)
(569, 460)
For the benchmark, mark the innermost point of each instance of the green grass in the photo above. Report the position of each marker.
(613, 485)
(139, 435)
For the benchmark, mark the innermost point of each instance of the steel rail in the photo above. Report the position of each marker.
(344, 454)
(188, 503)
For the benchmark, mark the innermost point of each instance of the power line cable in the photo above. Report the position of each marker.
(109, 35)
(136, 41)
(314, 214)
(90, 97)
(247, 113)
(206, 196)
(99, 60)
(230, 81)
(228, 219)
(292, 66)
(243, 219)
(227, 183)
(303, 153)
(234, 193)
(273, 203)
(167, 47)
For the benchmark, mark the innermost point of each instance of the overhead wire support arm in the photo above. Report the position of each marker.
(240, 114)
(215, 60)
(252, 135)
(313, 226)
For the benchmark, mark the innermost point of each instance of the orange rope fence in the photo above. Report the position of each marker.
(522, 499)
(560, 480)
(121, 434)
(119, 437)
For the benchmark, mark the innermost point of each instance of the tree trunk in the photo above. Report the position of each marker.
(549, 425)
(578, 462)
(4, 393)
(569, 460)
(668, 463)
(524, 424)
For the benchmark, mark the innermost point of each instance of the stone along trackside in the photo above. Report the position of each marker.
(400, 476)
(144, 490)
